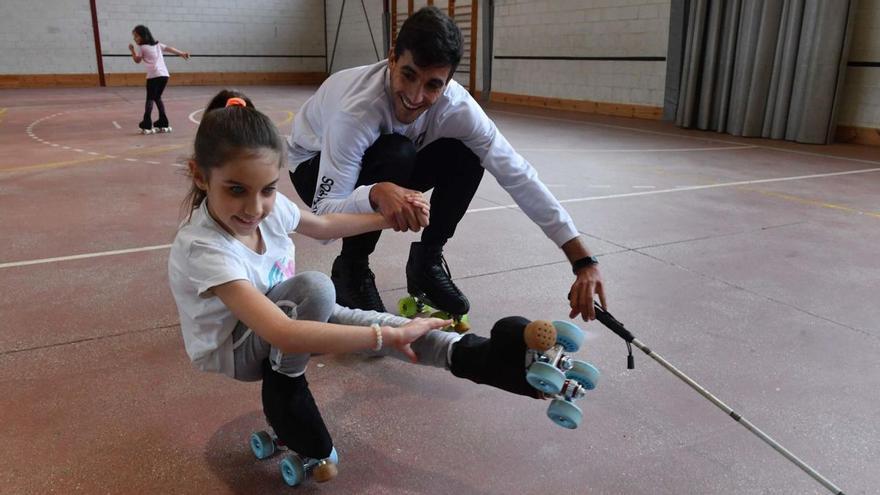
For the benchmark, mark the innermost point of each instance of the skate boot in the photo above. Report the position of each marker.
(146, 127)
(297, 426)
(162, 125)
(499, 361)
(431, 290)
(355, 284)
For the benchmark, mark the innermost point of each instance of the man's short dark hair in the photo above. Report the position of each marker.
(432, 37)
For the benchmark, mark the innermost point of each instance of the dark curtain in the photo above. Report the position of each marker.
(770, 69)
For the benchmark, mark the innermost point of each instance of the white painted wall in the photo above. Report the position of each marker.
(355, 47)
(219, 27)
(56, 37)
(860, 105)
(582, 28)
(46, 37)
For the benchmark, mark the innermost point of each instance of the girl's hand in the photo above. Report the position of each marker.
(131, 48)
(185, 55)
(400, 338)
(423, 211)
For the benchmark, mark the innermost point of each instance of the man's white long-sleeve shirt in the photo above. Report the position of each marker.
(352, 108)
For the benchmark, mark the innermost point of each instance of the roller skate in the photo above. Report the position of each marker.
(431, 290)
(355, 284)
(145, 127)
(294, 467)
(297, 428)
(161, 125)
(554, 373)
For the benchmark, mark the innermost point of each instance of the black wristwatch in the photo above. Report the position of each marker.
(585, 261)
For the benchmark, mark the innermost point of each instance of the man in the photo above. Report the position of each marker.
(372, 136)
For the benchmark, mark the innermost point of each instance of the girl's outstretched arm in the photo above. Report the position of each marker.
(336, 225)
(134, 56)
(175, 51)
(262, 316)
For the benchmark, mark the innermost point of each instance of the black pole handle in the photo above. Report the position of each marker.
(615, 326)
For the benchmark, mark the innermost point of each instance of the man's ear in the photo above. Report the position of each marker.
(199, 178)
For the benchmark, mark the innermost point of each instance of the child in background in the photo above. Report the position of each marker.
(157, 76)
(245, 312)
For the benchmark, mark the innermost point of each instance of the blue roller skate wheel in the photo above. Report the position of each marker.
(334, 457)
(565, 414)
(584, 373)
(545, 377)
(569, 336)
(292, 470)
(262, 444)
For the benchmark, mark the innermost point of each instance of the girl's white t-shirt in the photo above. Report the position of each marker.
(204, 256)
(153, 60)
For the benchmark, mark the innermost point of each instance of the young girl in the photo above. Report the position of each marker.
(245, 312)
(157, 76)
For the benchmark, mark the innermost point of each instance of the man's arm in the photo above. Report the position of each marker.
(520, 180)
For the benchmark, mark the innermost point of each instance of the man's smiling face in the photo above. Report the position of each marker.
(414, 89)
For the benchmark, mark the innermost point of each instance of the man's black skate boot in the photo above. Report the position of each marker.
(145, 126)
(499, 361)
(355, 284)
(428, 279)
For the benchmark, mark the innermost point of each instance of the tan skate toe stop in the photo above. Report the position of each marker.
(540, 335)
(325, 471)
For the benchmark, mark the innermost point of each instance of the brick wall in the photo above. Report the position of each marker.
(582, 28)
(59, 39)
(40, 40)
(860, 106)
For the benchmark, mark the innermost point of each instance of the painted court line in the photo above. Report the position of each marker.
(116, 125)
(495, 208)
(192, 116)
(638, 150)
(83, 256)
(689, 188)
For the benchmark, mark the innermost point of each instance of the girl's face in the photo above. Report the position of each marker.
(137, 38)
(241, 193)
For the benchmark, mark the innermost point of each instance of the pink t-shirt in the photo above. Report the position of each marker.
(154, 60)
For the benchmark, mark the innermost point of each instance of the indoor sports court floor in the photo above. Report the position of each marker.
(751, 265)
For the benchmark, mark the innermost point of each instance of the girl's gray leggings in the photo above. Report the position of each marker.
(311, 296)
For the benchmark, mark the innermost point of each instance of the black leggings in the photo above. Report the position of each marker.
(447, 165)
(155, 87)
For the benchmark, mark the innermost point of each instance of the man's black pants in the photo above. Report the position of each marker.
(446, 165)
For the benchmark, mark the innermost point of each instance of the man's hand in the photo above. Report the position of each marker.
(405, 209)
(587, 285)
